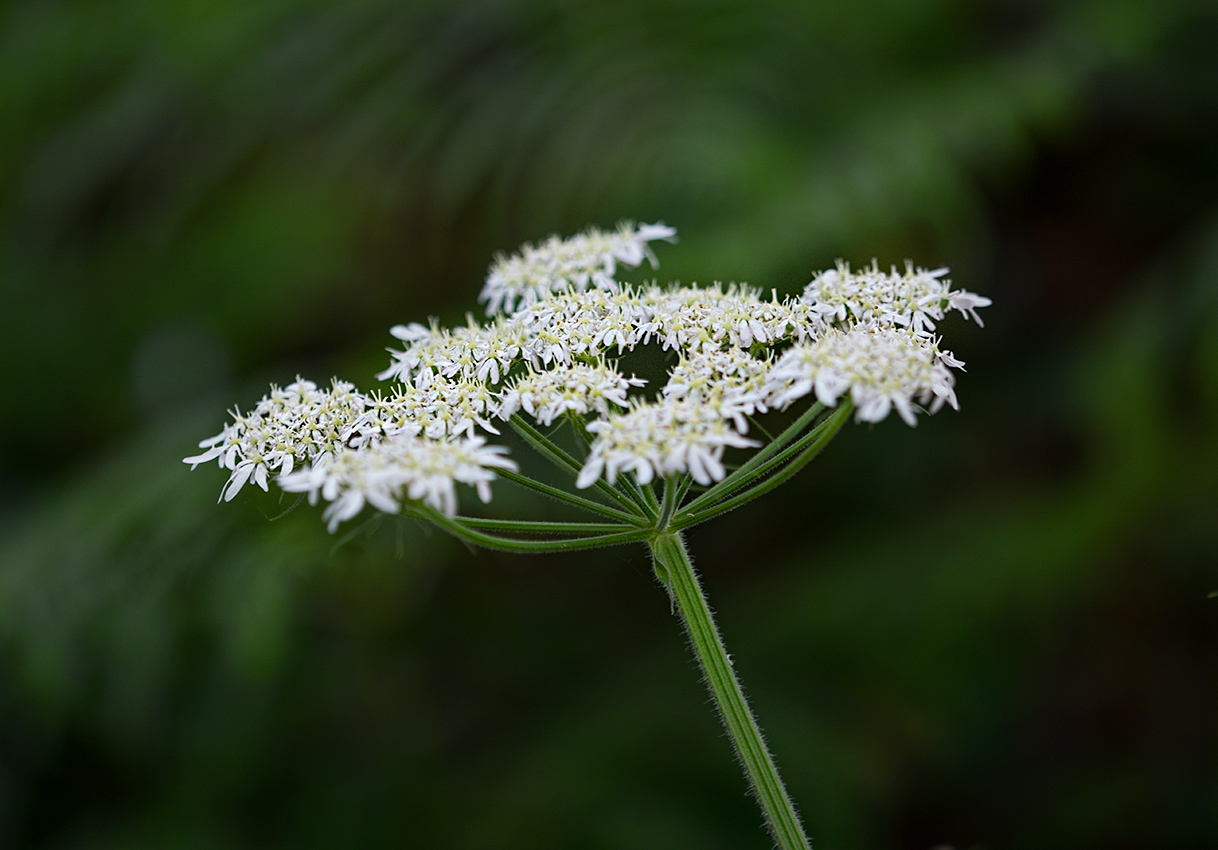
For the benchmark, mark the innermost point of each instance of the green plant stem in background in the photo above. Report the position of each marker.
(675, 570)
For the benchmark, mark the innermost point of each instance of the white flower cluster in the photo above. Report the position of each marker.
(690, 319)
(918, 298)
(378, 473)
(667, 437)
(882, 367)
(578, 388)
(354, 448)
(730, 382)
(290, 426)
(442, 409)
(879, 345)
(559, 320)
(570, 326)
(469, 353)
(589, 258)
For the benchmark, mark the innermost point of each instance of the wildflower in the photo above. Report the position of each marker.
(914, 299)
(574, 324)
(378, 473)
(484, 353)
(587, 259)
(577, 388)
(558, 321)
(882, 367)
(443, 408)
(690, 318)
(668, 437)
(731, 382)
(289, 426)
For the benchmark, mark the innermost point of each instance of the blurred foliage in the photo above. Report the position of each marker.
(991, 632)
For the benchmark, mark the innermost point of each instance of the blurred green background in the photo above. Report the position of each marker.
(989, 632)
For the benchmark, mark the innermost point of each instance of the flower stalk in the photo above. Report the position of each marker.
(677, 573)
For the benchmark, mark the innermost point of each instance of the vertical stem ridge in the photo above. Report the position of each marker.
(672, 561)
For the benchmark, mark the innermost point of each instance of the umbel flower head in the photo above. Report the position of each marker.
(559, 320)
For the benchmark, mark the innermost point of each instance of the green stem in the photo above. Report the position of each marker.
(458, 529)
(819, 438)
(747, 469)
(553, 453)
(757, 473)
(643, 496)
(673, 491)
(673, 565)
(540, 526)
(625, 483)
(686, 482)
(569, 498)
(652, 503)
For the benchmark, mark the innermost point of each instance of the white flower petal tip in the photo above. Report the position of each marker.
(409, 333)
(657, 231)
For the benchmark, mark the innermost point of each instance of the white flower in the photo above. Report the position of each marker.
(882, 367)
(914, 299)
(690, 318)
(568, 325)
(731, 382)
(685, 319)
(442, 408)
(478, 352)
(579, 388)
(967, 303)
(289, 426)
(381, 474)
(587, 259)
(667, 437)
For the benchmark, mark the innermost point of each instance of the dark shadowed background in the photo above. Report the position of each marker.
(991, 631)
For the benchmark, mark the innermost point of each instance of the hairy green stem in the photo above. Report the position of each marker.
(745, 473)
(814, 441)
(555, 454)
(659, 521)
(673, 491)
(543, 526)
(570, 498)
(641, 494)
(458, 529)
(675, 570)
